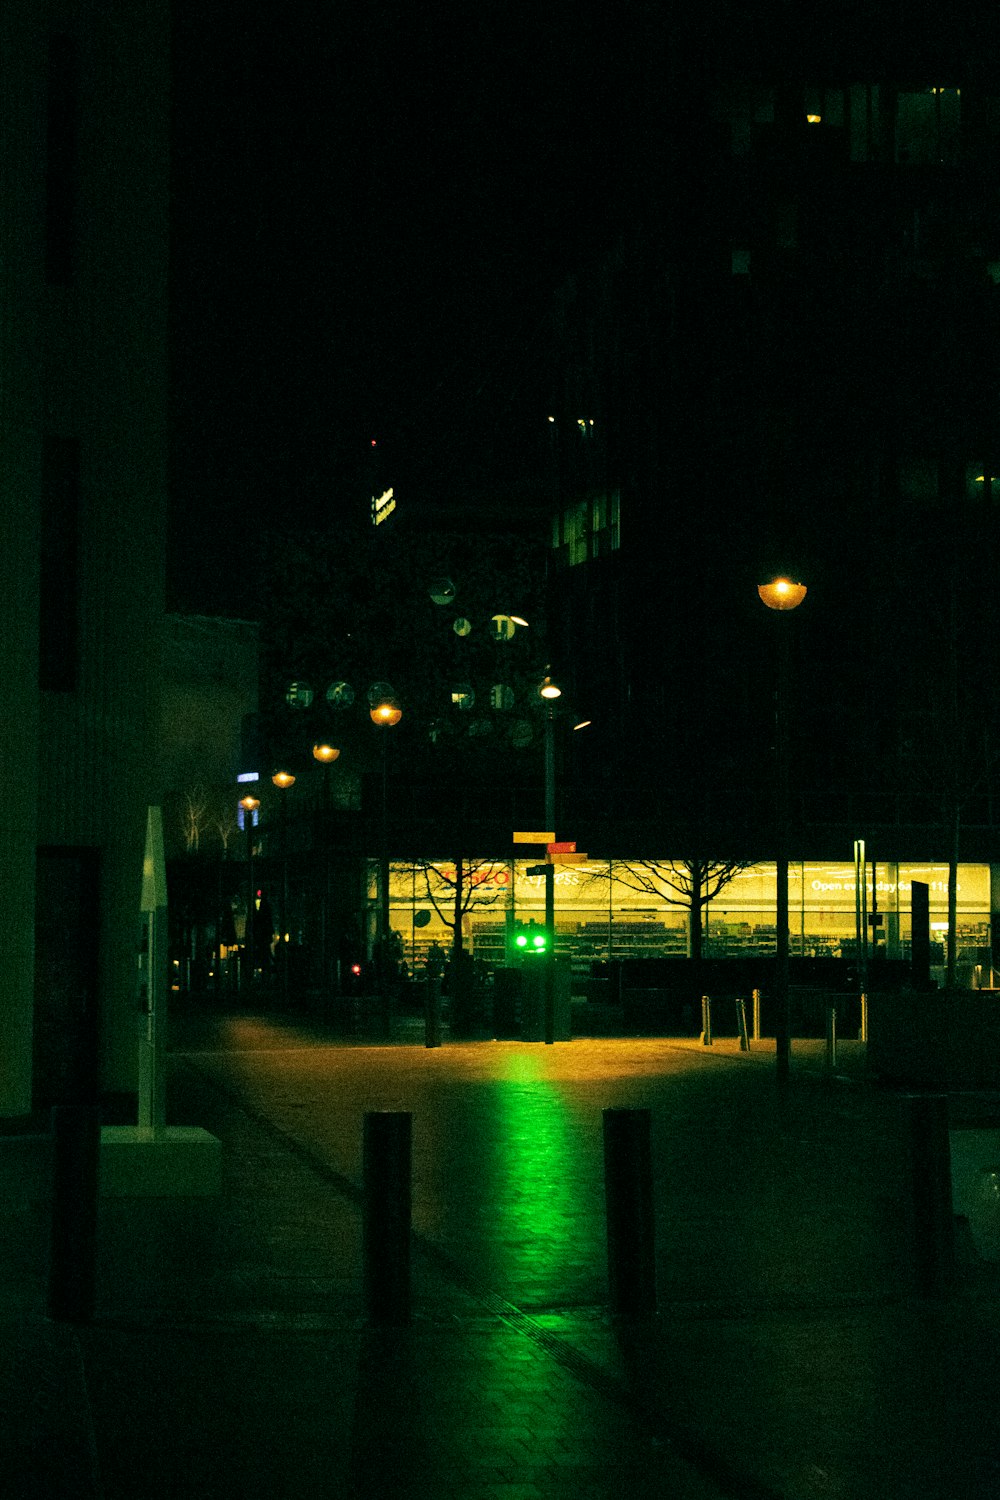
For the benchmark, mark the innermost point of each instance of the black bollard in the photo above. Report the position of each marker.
(386, 1217)
(76, 1130)
(741, 1025)
(628, 1185)
(932, 1215)
(432, 1013)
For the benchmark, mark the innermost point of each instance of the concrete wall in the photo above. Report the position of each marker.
(88, 361)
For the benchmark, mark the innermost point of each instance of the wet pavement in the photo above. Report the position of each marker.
(791, 1354)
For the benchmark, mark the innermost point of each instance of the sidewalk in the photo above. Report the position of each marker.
(229, 1354)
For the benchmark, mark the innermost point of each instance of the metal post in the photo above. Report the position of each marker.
(741, 1025)
(831, 1037)
(931, 1214)
(706, 1021)
(432, 1013)
(756, 1015)
(248, 934)
(76, 1129)
(628, 1182)
(550, 880)
(863, 1031)
(386, 1216)
(283, 935)
(782, 1030)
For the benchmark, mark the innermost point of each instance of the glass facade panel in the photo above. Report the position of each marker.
(600, 914)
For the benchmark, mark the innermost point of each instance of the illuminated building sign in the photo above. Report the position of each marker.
(383, 506)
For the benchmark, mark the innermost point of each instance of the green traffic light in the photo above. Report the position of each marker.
(521, 940)
(539, 940)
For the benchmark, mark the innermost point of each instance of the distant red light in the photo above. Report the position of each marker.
(355, 968)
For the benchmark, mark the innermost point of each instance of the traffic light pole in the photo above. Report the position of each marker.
(550, 883)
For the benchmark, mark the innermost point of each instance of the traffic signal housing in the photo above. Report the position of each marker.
(529, 940)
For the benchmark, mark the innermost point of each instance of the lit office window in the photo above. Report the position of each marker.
(589, 528)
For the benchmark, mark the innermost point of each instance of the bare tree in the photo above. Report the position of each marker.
(225, 823)
(194, 816)
(454, 891)
(689, 883)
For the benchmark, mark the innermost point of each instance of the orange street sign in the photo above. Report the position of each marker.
(533, 838)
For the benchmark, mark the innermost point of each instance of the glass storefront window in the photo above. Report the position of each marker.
(600, 915)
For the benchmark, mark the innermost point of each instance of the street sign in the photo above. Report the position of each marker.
(568, 859)
(561, 848)
(533, 838)
(537, 869)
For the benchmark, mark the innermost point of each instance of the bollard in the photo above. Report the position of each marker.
(932, 1220)
(756, 1015)
(432, 1013)
(76, 1129)
(386, 1217)
(831, 1038)
(628, 1187)
(741, 1025)
(706, 1020)
(863, 1028)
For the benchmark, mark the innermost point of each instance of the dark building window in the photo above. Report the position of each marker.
(61, 161)
(59, 573)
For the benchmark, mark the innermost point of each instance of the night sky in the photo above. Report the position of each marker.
(371, 210)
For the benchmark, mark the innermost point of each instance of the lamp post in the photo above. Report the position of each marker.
(249, 805)
(283, 780)
(325, 754)
(782, 594)
(550, 691)
(386, 714)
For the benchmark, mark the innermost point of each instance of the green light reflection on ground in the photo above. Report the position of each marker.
(541, 1181)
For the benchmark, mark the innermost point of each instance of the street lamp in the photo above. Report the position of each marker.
(782, 594)
(324, 754)
(385, 713)
(283, 780)
(249, 805)
(549, 691)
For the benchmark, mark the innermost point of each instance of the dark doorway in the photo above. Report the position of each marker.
(67, 1030)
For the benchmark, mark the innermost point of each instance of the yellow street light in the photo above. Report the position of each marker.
(386, 713)
(325, 754)
(548, 689)
(283, 779)
(249, 804)
(782, 593)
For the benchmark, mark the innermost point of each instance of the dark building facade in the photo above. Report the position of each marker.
(83, 375)
(786, 364)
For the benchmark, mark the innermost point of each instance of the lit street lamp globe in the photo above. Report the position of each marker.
(782, 593)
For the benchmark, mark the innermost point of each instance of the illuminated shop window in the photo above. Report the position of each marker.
(601, 914)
